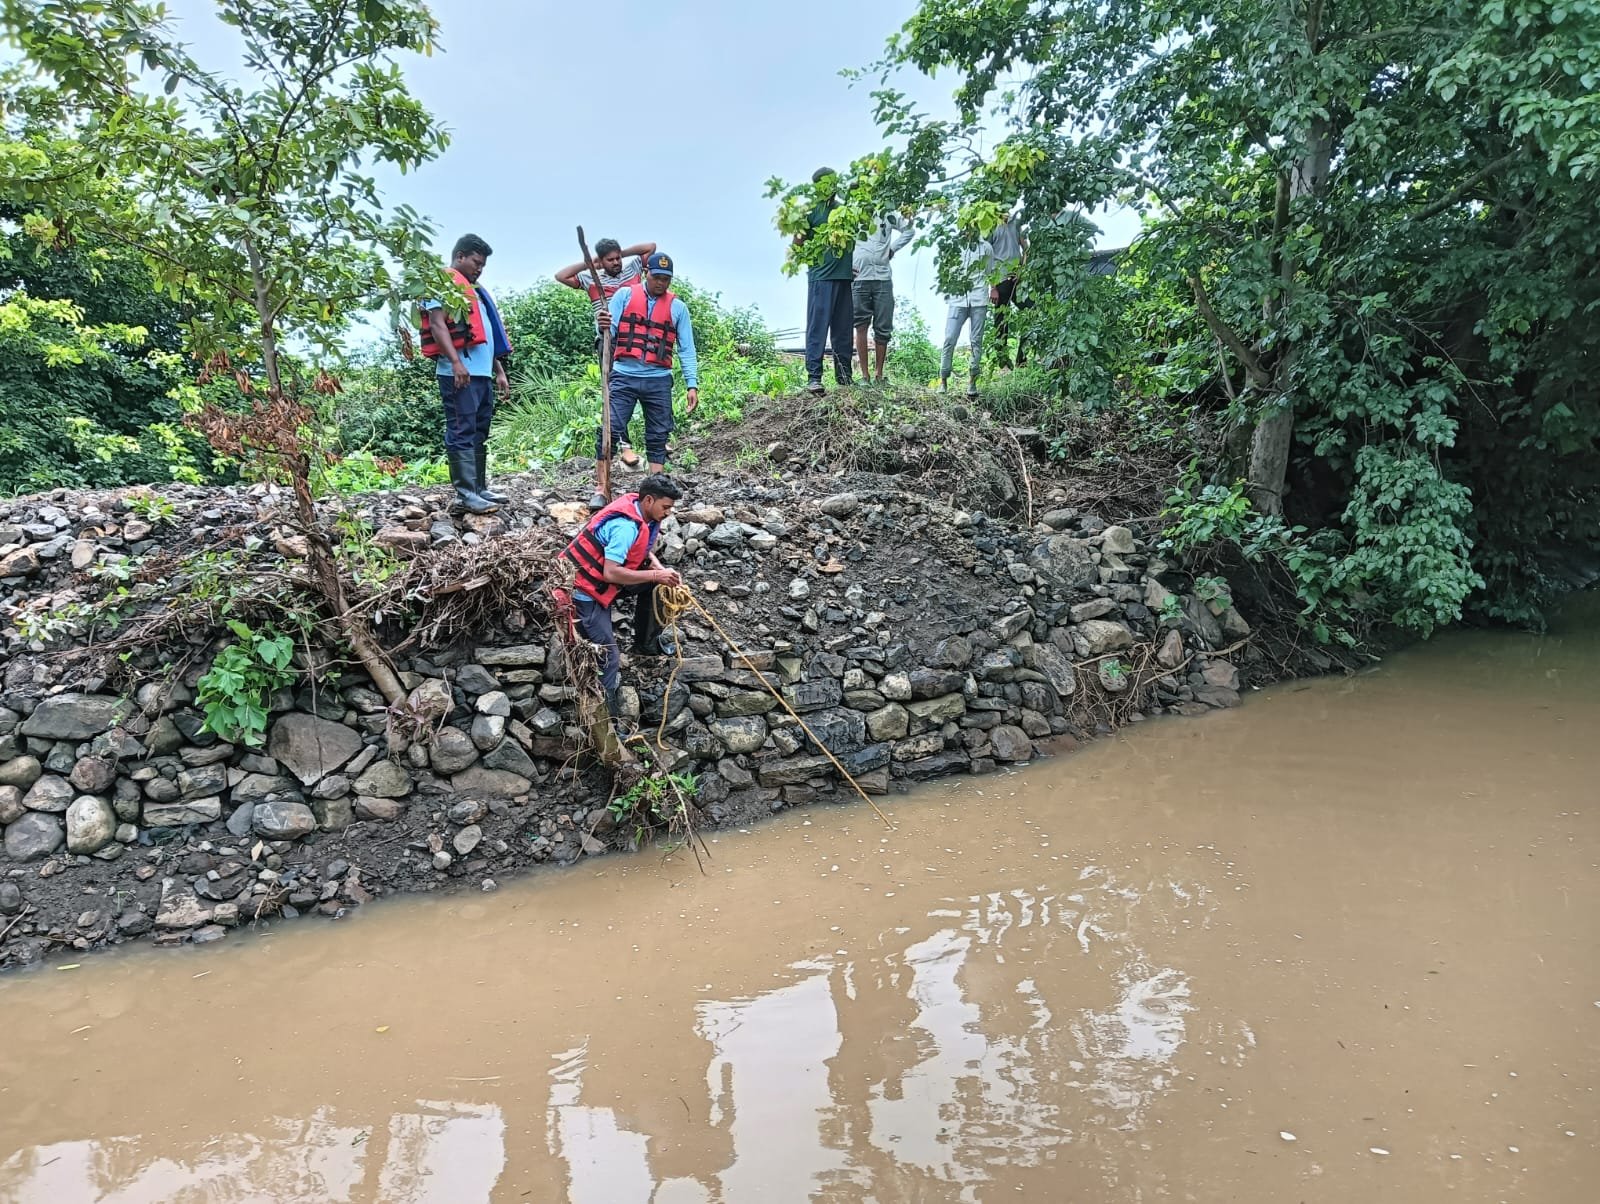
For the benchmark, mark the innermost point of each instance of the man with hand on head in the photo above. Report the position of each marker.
(651, 328)
(614, 555)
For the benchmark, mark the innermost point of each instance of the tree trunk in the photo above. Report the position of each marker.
(319, 551)
(1273, 441)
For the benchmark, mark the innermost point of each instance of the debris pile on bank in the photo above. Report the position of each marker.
(916, 639)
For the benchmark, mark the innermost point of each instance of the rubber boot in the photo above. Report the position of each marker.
(463, 471)
(482, 480)
(620, 725)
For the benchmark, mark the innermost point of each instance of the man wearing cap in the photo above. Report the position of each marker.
(650, 326)
(617, 267)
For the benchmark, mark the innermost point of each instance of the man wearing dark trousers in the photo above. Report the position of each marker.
(613, 556)
(1010, 247)
(471, 351)
(651, 327)
(829, 308)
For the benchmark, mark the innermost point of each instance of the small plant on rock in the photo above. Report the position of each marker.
(235, 691)
(152, 508)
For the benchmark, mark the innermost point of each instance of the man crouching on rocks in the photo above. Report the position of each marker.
(614, 555)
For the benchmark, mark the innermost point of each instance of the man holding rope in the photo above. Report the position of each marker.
(614, 555)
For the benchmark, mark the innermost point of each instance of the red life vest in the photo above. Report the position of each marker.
(464, 332)
(646, 331)
(588, 550)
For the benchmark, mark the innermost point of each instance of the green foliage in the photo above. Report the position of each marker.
(235, 691)
(554, 410)
(1368, 258)
(654, 801)
(152, 508)
(913, 357)
(390, 406)
(87, 371)
(362, 472)
(248, 201)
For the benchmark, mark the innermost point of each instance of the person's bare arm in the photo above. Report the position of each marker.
(440, 328)
(641, 250)
(569, 275)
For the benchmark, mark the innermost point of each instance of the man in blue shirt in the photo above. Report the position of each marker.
(471, 352)
(614, 557)
(650, 327)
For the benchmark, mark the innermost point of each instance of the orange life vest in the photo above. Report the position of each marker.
(588, 550)
(646, 330)
(464, 332)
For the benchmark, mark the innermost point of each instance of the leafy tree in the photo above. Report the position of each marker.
(88, 366)
(247, 199)
(1377, 212)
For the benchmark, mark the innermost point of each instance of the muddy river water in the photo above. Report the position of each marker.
(1342, 944)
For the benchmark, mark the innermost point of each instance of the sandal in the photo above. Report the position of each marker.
(629, 456)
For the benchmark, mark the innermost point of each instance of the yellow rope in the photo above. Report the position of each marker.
(672, 602)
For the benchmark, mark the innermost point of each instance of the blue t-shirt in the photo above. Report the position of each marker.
(685, 347)
(479, 358)
(618, 535)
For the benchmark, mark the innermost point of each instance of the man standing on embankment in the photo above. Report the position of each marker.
(618, 267)
(471, 351)
(651, 327)
(872, 292)
(829, 307)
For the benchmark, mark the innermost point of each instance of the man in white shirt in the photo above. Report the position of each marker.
(872, 291)
(969, 308)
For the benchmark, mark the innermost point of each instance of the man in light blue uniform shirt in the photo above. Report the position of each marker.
(651, 331)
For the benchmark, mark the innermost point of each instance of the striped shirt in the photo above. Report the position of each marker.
(632, 269)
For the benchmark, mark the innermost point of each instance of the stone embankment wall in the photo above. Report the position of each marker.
(916, 640)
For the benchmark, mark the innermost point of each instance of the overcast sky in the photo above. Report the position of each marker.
(642, 120)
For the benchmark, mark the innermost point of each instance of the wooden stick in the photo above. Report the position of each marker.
(605, 375)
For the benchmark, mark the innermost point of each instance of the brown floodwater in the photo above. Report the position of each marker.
(1342, 944)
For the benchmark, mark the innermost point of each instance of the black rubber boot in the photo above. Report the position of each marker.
(463, 471)
(481, 481)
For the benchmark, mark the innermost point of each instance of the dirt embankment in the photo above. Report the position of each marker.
(957, 615)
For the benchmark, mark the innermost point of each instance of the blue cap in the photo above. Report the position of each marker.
(659, 264)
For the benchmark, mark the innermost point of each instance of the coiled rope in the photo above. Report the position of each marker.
(671, 603)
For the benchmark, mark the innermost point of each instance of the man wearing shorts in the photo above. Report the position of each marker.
(872, 292)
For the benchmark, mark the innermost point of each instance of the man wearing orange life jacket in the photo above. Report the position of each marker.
(471, 351)
(614, 555)
(650, 327)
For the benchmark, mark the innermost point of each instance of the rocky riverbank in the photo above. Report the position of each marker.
(917, 639)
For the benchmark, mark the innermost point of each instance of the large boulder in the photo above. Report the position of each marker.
(1011, 743)
(509, 757)
(740, 734)
(311, 748)
(494, 783)
(1065, 562)
(283, 821)
(453, 751)
(176, 815)
(1053, 663)
(75, 716)
(1103, 636)
(34, 837)
(21, 772)
(11, 808)
(94, 775)
(91, 824)
(384, 779)
(50, 793)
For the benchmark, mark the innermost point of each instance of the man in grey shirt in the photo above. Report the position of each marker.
(872, 291)
(1010, 249)
(968, 308)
